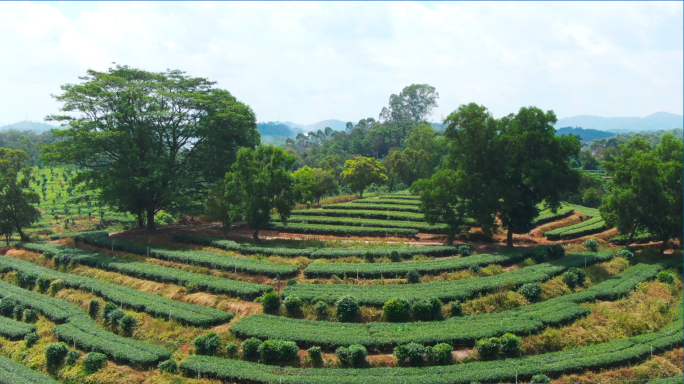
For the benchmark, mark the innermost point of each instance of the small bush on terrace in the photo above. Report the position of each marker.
(315, 355)
(413, 277)
(625, 253)
(591, 245)
(574, 277)
(94, 308)
(455, 308)
(293, 305)
(395, 256)
(207, 344)
(250, 348)
(270, 302)
(56, 286)
(411, 354)
(555, 251)
(127, 323)
(232, 350)
(510, 345)
(396, 310)
(44, 283)
(168, 366)
(531, 291)
(464, 250)
(440, 354)
(72, 357)
(488, 349)
(352, 356)
(275, 351)
(93, 362)
(55, 353)
(540, 379)
(108, 308)
(666, 277)
(347, 308)
(321, 309)
(31, 339)
(427, 309)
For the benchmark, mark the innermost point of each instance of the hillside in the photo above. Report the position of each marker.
(584, 134)
(654, 122)
(34, 126)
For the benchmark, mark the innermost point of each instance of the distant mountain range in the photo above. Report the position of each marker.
(654, 122)
(26, 125)
(584, 134)
(337, 125)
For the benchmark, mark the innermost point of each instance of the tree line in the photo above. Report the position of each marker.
(151, 141)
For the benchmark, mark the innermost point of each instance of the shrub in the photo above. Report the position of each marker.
(207, 344)
(114, 316)
(426, 309)
(539, 255)
(26, 280)
(625, 253)
(396, 310)
(270, 302)
(293, 305)
(72, 357)
(441, 354)
(94, 308)
(55, 353)
(413, 277)
(232, 349)
(168, 366)
(591, 245)
(412, 353)
(529, 262)
(7, 305)
(274, 351)
(93, 362)
(531, 291)
(369, 256)
(108, 308)
(291, 282)
(321, 309)
(288, 350)
(489, 348)
(315, 355)
(19, 312)
(395, 256)
(56, 286)
(352, 356)
(510, 345)
(475, 269)
(127, 323)
(574, 277)
(540, 379)
(44, 283)
(666, 277)
(455, 308)
(465, 250)
(30, 315)
(555, 251)
(250, 348)
(31, 339)
(347, 308)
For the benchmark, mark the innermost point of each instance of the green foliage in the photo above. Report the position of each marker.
(303, 217)
(260, 182)
(315, 355)
(93, 362)
(625, 253)
(44, 283)
(510, 345)
(540, 379)
(30, 315)
(465, 250)
(591, 245)
(130, 166)
(427, 309)
(168, 366)
(361, 172)
(217, 207)
(16, 197)
(310, 184)
(207, 344)
(275, 351)
(531, 291)
(72, 357)
(250, 348)
(293, 305)
(321, 309)
(574, 277)
(108, 309)
(394, 256)
(114, 316)
(232, 349)
(94, 308)
(413, 276)
(291, 282)
(55, 353)
(588, 227)
(352, 356)
(489, 348)
(441, 354)
(455, 309)
(270, 302)
(413, 104)
(411, 354)
(56, 286)
(12, 372)
(396, 310)
(666, 277)
(343, 230)
(30, 338)
(127, 323)
(347, 307)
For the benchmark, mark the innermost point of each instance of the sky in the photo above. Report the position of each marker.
(310, 61)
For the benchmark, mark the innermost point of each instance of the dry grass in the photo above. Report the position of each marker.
(495, 302)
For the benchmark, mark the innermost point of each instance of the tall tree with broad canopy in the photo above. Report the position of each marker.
(361, 172)
(16, 200)
(218, 207)
(413, 104)
(646, 189)
(535, 168)
(311, 184)
(260, 182)
(150, 141)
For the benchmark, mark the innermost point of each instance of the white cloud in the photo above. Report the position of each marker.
(310, 61)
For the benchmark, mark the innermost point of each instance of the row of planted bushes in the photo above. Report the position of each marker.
(458, 290)
(12, 372)
(547, 215)
(363, 213)
(15, 330)
(356, 222)
(587, 227)
(207, 283)
(341, 230)
(316, 253)
(374, 207)
(388, 200)
(78, 329)
(188, 256)
(376, 270)
(154, 305)
(605, 355)
(454, 330)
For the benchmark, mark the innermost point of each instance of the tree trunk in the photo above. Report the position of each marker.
(255, 235)
(509, 237)
(450, 236)
(663, 247)
(226, 226)
(361, 194)
(150, 220)
(141, 219)
(631, 235)
(22, 235)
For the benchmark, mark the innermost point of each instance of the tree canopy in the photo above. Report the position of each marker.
(361, 172)
(150, 141)
(16, 200)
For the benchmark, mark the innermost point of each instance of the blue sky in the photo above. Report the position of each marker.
(309, 61)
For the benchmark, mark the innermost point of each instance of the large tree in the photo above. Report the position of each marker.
(361, 172)
(260, 182)
(413, 104)
(646, 189)
(150, 141)
(16, 200)
(311, 184)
